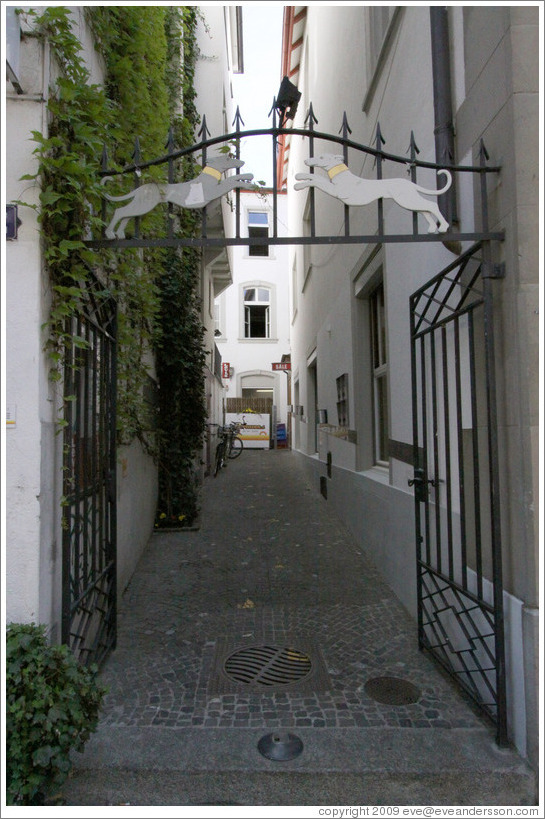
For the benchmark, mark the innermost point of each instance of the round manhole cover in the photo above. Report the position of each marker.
(392, 691)
(267, 665)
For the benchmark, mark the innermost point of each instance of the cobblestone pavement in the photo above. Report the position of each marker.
(269, 565)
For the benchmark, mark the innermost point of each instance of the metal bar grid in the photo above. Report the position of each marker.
(472, 662)
(225, 241)
(89, 458)
(460, 593)
(303, 132)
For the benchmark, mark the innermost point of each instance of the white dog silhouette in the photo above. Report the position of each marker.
(197, 193)
(354, 190)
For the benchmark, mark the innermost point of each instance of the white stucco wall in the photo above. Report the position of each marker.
(28, 396)
(33, 448)
(215, 102)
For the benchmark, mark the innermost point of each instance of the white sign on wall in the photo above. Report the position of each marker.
(255, 428)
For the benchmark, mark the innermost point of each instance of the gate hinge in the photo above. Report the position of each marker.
(493, 270)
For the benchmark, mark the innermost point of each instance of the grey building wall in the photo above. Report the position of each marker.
(494, 62)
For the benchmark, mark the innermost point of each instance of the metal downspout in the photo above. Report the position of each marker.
(442, 104)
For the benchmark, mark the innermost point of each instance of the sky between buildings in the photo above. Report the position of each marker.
(255, 90)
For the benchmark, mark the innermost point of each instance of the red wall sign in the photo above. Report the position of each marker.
(284, 365)
(225, 370)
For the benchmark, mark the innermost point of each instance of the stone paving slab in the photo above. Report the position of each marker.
(271, 563)
(354, 791)
(392, 750)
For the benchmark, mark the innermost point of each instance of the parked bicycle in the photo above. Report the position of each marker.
(229, 446)
(233, 443)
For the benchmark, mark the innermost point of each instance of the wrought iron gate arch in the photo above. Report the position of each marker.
(460, 612)
(231, 142)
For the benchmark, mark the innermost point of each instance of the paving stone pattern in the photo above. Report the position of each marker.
(270, 559)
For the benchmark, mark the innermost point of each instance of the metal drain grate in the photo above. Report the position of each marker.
(267, 665)
(392, 691)
(293, 663)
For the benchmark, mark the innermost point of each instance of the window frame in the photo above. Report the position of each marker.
(247, 304)
(307, 249)
(258, 229)
(219, 318)
(379, 374)
(343, 412)
(378, 47)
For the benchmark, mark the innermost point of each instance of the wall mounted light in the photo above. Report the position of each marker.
(13, 223)
(287, 100)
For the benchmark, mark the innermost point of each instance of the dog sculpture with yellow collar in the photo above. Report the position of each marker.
(354, 190)
(196, 193)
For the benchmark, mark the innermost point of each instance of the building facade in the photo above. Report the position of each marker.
(220, 55)
(252, 317)
(351, 332)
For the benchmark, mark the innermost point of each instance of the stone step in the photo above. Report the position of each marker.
(202, 766)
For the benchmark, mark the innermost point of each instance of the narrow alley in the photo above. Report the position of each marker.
(271, 566)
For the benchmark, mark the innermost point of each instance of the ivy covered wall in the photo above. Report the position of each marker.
(149, 57)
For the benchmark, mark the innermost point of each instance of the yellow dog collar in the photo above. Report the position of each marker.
(337, 169)
(212, 172)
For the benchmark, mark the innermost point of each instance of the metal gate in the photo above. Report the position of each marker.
(460, 605)
(89, 481)
(457, 530)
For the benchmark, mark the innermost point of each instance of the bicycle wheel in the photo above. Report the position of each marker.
(219, 458)
(236, 447)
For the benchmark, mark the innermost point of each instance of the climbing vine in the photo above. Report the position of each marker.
(180, 355)
(149, 56)
(79, 119)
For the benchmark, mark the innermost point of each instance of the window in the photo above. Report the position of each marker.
(257, 318)
(380, 27)
(380, 18)
(342, 400)
(294, 290)
(258, 228)
(379, 368)
(217, 320)
(307, 249)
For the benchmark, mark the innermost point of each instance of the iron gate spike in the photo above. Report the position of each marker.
(345, 127)
(311, 117)
(379, 140)
(413, 147)
(136, 153)
(204, 132)
(169, 144)
(238, 120)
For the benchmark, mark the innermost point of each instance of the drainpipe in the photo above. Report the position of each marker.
(442, 104)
